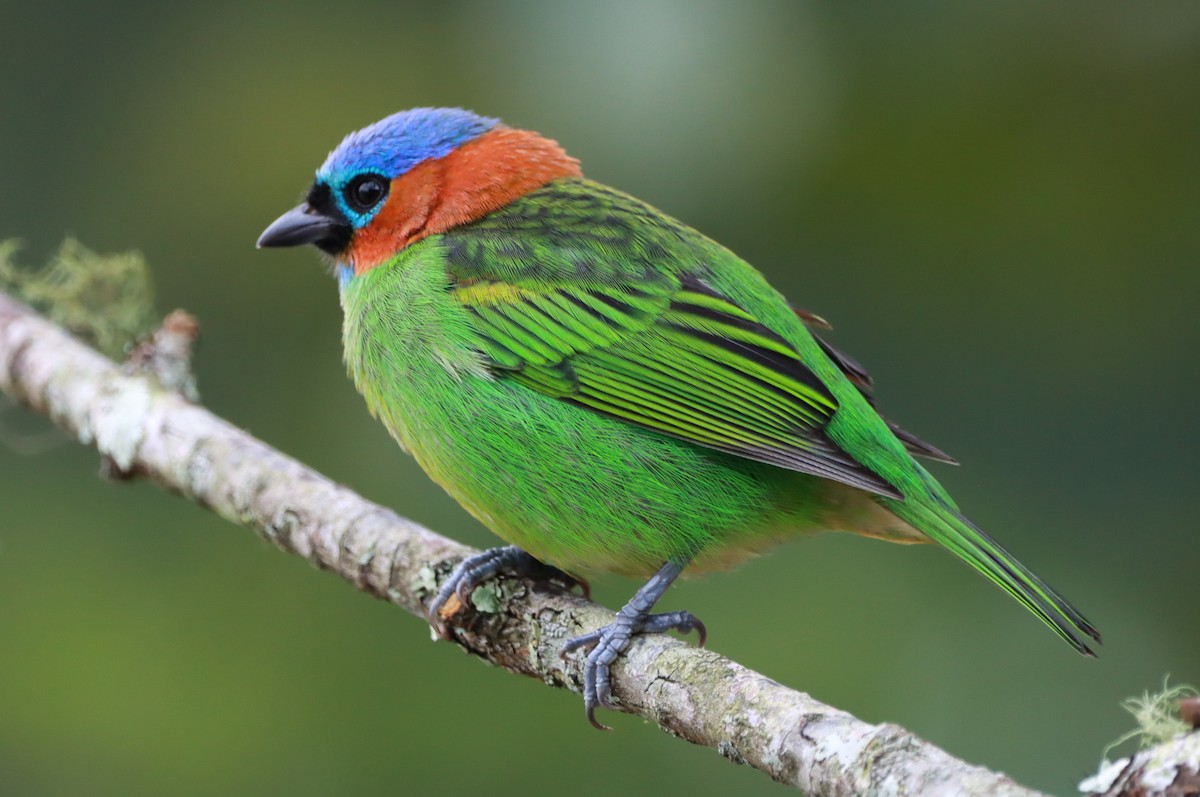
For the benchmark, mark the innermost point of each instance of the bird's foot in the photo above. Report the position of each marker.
(474, 570)
(611, 641)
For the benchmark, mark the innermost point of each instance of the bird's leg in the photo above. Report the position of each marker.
(611, 641)
(474, 570)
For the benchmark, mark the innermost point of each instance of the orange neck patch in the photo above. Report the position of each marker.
(480, 176)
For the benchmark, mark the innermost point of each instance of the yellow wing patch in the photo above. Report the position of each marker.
(486, 293)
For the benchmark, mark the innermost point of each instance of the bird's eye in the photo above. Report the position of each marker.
(365, 192)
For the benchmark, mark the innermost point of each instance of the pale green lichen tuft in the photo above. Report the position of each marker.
(491, 596)
(486, 598)
(425, 581)
(107, 300)
(1157, 716)
(1157, 763)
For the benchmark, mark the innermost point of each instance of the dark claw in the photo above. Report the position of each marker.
(597, 724)
(683, 622)
(474, 570)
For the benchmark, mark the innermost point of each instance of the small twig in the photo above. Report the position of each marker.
(1189, 711)
(167, 354)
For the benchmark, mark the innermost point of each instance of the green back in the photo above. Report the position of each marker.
(590, 296)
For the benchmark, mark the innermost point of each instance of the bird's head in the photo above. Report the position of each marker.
(414, 174)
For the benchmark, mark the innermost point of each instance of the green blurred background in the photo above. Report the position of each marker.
(996, 204)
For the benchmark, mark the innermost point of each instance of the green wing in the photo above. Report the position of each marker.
(862, 380)
(601, 326)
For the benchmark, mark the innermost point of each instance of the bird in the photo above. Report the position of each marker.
(605, 388)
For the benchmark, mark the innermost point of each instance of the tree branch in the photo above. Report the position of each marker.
(146, 430)
(1169, 768)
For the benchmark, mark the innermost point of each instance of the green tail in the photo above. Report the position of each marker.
(947, 527)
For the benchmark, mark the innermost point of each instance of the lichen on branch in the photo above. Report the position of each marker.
(107, 300)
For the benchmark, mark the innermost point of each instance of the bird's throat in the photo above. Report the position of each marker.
(479, 177)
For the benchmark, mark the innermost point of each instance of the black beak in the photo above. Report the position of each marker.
(304, 224)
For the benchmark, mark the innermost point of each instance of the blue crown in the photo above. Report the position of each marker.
(394, 145)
